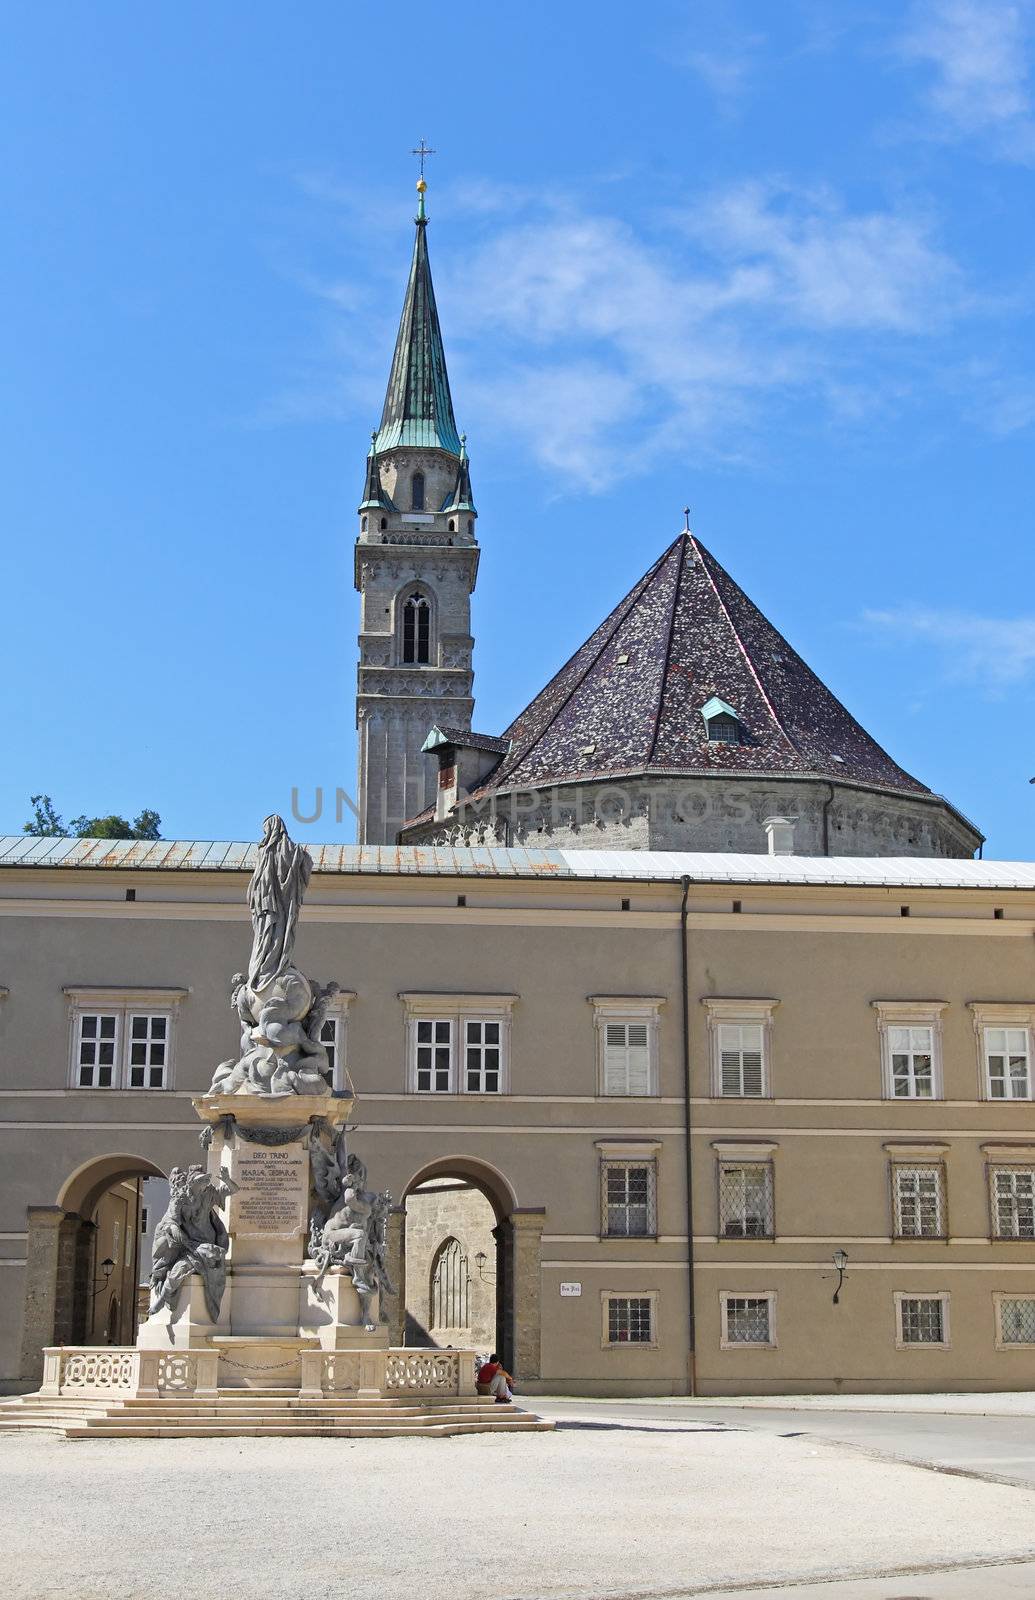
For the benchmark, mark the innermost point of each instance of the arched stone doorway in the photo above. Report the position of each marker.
(478, 1209)
(83, 1259)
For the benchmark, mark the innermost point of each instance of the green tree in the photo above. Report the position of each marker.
(47, 824)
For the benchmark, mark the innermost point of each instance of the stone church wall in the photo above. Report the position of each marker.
(711, 814)
(434, 1215)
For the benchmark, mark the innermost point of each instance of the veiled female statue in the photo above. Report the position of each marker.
(275, 893)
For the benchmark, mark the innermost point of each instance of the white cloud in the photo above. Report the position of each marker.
(980, 53)
(993, 652)
(607, 347)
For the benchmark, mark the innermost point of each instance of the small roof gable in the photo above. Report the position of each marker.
(464, 739)
(717, 708)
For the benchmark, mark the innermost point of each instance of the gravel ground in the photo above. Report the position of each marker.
(636, 1510)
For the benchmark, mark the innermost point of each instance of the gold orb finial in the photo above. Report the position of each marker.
(421, 186)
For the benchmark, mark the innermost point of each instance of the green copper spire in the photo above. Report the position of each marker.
(418, 406)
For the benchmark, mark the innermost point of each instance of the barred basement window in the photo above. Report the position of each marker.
(919, 1204)
(434, 1051)
(1015, 1319)
(629, 1319)
(740, 1059)
(1013, 1202)
(628, 1203)
(1007, 1063)
(483, 1056)
(748, 1320)
(746, 1200)
(923, 1319)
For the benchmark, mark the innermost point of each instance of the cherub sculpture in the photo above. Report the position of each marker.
(349, 1227)
(191, 1238)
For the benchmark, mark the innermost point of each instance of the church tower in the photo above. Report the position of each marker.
(416, 565)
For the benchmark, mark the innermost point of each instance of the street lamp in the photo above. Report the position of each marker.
(840, 1262)
(107, 1267)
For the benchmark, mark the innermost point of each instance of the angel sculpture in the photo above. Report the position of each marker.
(349, 1229)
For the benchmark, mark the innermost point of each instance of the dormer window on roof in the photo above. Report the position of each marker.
(721, 722)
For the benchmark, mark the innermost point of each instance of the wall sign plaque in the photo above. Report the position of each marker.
(273, 1191)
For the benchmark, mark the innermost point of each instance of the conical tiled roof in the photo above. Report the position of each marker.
(630, 700)
(418, 407)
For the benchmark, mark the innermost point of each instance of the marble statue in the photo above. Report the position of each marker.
(349, 1229)
(191, 1238)
(281, 1011)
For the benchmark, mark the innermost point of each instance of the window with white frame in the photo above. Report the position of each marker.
(627, 1029)
(458, 1044)
(334, 1038)
(1015, 1321)
(922, 1320)
(628, 1199)
(910, 1036)
(741, 1047)
(748, 1320)
(919, 1195)
(1008, 1063)
(122, 1039)
(1013, 1202)
(1005, 1034)
(745, 1199)
(629, 1318)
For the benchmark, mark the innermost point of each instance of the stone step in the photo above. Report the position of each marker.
(435, 1428)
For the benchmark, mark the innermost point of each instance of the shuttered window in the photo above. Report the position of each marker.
(627, 1058)
(740, 1059)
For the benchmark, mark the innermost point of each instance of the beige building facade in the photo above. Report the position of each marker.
(856, 1036)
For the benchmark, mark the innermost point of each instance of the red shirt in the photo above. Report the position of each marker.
(487, 1372)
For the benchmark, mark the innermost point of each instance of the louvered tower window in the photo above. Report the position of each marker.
(417, 492)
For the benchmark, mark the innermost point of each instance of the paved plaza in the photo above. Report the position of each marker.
(623, 1500)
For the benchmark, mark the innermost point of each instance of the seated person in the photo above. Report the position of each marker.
(491, 1376)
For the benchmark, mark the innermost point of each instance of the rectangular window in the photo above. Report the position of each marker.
(912, 1063)
(1015, 1316)
(148, 1044)
(630, 1319)
(746, 1200)
(740, 1059)
(628, 1199)
(627, 1067)
(748, 1319)
(923, 1319)
(1013, 1202)
(434, 1054)
(122, 1038)
(919, 1204)
(96, 1063)
(483, 1057)
(1007, 1063)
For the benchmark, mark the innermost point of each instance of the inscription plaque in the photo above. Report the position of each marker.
(274, 1189)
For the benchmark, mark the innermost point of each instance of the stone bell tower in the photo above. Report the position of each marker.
(416, 565)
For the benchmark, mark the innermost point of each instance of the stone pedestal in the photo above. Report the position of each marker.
(188, 1325)
(330, 1311)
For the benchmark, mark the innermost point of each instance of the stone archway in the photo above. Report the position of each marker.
(60, 1258)
(518, 1250)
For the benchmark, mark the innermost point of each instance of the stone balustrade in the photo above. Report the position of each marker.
(112, 1373)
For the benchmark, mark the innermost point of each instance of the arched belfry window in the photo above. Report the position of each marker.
(417, 492)
(416, 630)
(450, 1282)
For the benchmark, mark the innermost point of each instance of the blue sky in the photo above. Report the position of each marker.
(776, 261)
